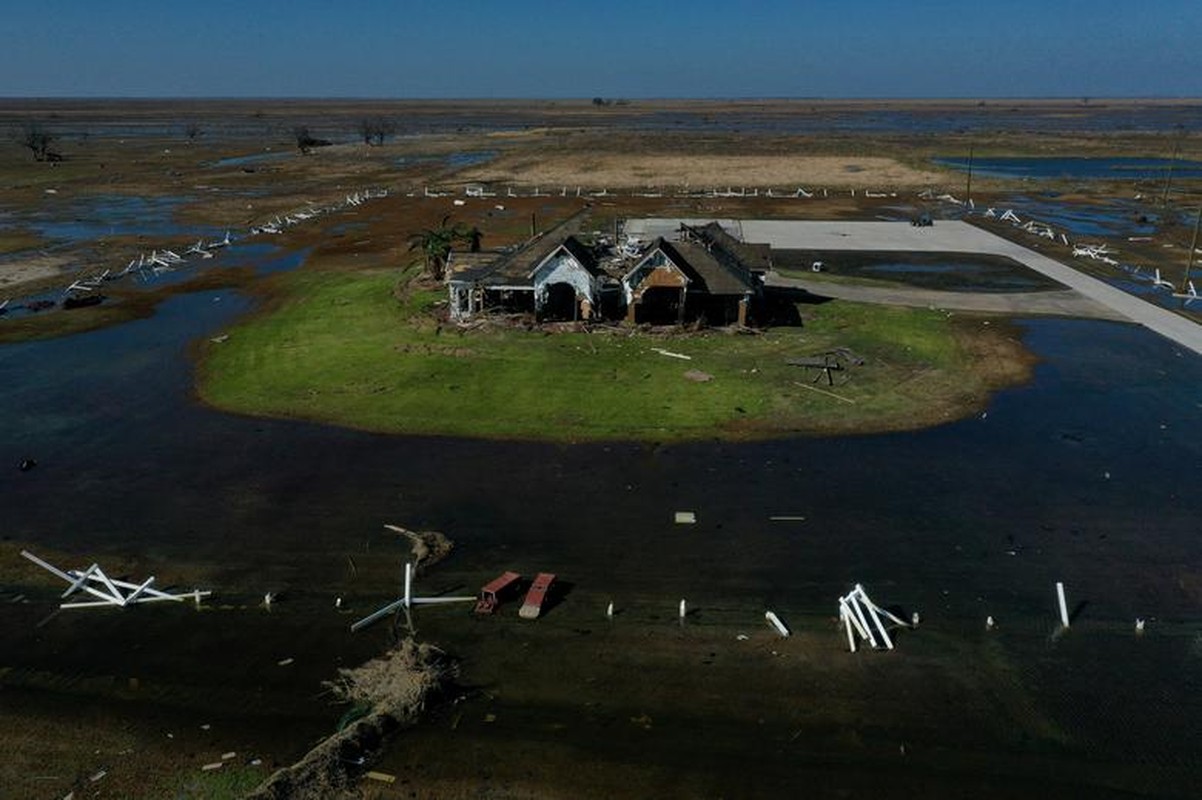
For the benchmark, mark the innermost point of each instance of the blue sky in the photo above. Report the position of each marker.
(619, 48)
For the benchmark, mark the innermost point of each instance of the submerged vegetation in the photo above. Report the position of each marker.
(345, 349)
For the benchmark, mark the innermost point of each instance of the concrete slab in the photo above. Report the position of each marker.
(946, 236)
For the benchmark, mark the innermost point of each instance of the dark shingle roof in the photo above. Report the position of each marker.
(706, 269)
(754, 257)
(518, 267)
(467, 267)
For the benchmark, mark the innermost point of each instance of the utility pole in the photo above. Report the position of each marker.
(1193, 246)
(968, 188)
(1168, 179)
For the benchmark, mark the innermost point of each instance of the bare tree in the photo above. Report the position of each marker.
(375, 130)
(38, 140)
(306, 141)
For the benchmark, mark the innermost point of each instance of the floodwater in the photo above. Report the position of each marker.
(1083, 220)
(251, 159)
(83, 219)
(1087, 475)
(1075, 168)
(457, 160)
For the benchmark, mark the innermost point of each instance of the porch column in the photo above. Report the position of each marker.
(744, 302)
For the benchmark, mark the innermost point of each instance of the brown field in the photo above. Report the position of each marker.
(702, 171)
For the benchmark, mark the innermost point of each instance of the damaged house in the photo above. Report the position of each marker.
(706, 275)
(554, 277)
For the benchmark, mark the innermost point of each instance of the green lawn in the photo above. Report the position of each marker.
(341, 348)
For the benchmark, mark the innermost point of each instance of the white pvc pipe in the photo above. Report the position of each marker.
(1063, 604)
(845, 615)
(408, 599)
(683, 609)
(859, 612)
(776, 623)
(880, 627)
(81, 579)
(132, 597)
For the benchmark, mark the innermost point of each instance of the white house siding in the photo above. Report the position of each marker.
(562, 267)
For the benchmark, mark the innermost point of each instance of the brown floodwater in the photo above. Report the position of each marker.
(1087, 475)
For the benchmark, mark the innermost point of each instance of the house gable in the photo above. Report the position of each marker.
(661, 267)
(564, 266)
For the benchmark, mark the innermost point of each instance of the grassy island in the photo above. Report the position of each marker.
(360, 349)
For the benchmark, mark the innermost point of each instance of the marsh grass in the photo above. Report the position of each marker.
(16, 240)
(341, 348)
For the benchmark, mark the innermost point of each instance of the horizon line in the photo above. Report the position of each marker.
(1077, 98)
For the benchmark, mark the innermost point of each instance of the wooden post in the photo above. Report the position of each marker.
(744, 301)
(533, 226)
(680, 312)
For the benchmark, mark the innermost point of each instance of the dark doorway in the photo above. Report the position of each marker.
(560, 304)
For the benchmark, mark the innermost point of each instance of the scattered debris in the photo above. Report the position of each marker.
(786, 518)
(856, 610)
(532, 606)
(685, 517)
(212, 766)
(1064, 619)
(776, 623)
(825, 392)
(382, 777)
(493, 592)
(406, 602)
(394, 687)
(26, 464)
(428, 547)
(285, 662)
(111, 591)
(670, 354)
(698, 376)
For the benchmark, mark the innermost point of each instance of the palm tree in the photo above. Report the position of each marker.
(436, 243)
